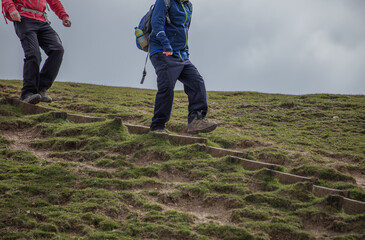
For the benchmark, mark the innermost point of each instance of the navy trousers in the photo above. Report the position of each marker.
(169, 69)
(34, 34)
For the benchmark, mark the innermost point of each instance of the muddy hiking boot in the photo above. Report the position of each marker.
(201, 125)
(45, 98)
(32, 98)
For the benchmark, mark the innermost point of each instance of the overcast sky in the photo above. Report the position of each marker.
(281, 46)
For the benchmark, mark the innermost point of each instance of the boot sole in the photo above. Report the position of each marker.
(205, 130)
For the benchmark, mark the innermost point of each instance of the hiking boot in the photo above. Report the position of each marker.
(32, 98)
(45, 98)
(201, 125)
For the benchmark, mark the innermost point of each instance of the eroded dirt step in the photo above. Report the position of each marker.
(287, 178)
(181, 139)
(83, 119)
(360, 180)
(350, 206)
(200, 215)
(253, 165)
(185, 140)
(136, 129)
(20, 142)
(30, 109)
(203, 213)
(218, 152)
(320, 191)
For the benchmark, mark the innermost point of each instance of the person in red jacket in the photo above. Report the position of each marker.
(34, 31)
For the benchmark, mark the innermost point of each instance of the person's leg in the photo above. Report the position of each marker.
(198, 107)
(167, 69)
(27, 33)
(51, 43)
(194, 87)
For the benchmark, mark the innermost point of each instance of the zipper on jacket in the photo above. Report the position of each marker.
(37, 5)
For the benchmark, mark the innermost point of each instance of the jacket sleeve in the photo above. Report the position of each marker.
(9, 6)
(158, 22)
(58, 8)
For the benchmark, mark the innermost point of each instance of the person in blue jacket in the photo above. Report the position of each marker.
(169, 54)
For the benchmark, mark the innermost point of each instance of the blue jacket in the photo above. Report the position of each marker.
(171, 37)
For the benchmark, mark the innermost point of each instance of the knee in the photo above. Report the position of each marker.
(56, 53)
(166, 89)
(33, 55)
(59, 51)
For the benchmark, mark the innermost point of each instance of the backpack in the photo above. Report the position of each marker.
(146, 27)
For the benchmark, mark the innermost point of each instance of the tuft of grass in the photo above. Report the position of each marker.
(271, 199)
(239, 215)
(267, 181)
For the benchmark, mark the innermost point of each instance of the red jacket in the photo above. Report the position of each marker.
(39, 5)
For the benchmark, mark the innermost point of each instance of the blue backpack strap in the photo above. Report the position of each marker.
(146, 26)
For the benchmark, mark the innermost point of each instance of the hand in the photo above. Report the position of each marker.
(66, 22)
(167, 53)
(15, 16)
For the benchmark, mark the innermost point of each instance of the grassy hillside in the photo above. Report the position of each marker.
(62, 180)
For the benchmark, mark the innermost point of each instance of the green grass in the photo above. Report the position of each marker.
(97, 181)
